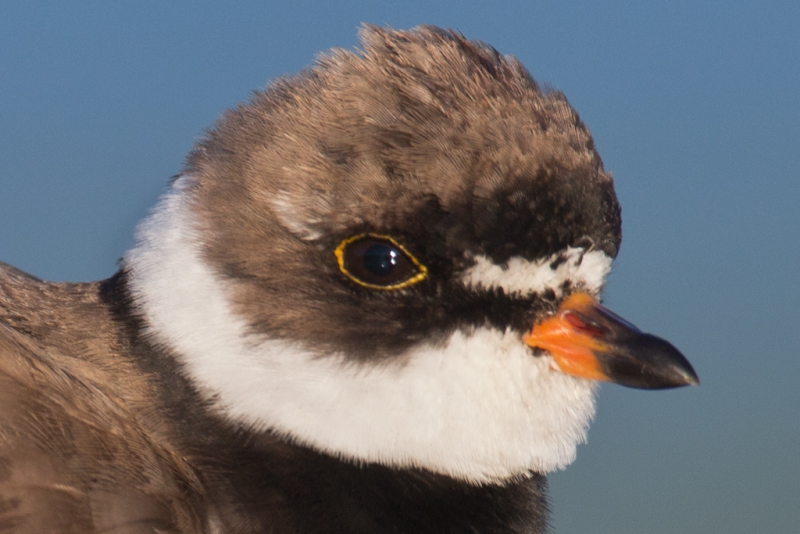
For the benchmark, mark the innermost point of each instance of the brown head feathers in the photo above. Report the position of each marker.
(424, 135)
(417, 116)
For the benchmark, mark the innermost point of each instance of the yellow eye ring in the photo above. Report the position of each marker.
(377, 261)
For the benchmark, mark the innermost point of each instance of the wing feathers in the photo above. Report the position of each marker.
(74, 458)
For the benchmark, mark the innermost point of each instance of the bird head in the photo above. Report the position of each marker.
(395, 256)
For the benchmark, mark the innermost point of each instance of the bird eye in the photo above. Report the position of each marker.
(378, 262)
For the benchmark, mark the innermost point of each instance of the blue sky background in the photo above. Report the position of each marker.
(695, 108)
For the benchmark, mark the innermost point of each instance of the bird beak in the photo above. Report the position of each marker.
(589, 341)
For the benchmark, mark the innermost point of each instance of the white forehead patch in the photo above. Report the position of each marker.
(584, 270)
(479, 407)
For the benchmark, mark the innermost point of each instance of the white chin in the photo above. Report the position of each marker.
(479, 407)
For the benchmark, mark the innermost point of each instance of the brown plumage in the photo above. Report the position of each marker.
(82, 449)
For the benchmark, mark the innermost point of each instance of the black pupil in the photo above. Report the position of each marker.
(380, 260)
(377, 262)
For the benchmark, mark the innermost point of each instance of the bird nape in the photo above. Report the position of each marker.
(367, 304)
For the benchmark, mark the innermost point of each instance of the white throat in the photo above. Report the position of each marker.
(478, 407)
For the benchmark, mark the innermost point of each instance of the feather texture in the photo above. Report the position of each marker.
(74, 457)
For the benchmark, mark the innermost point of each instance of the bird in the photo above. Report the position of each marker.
(369, 302)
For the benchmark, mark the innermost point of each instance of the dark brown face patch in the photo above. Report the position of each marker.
(441, 144)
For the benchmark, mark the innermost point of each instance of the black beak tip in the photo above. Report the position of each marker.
(691, 377)
(678, 376)
(672, 367)
(651, 363)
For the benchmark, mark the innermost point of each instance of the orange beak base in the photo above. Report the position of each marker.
(589, 341)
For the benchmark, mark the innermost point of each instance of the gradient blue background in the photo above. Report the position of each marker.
(695, 109)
